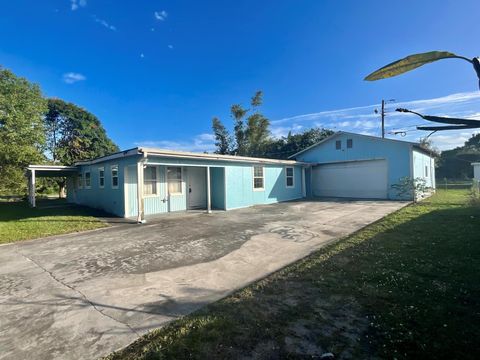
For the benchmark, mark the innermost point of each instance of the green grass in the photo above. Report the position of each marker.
(20, 222)
(406, 287)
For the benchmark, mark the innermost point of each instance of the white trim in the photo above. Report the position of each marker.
(216, 157)
(258, 177)
(118, 176)
(101, 168)
(286, 177)
(209, 198)
(181, 181)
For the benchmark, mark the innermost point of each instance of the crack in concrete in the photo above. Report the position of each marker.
(91, 303)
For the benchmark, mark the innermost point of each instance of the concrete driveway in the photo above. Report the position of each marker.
(83, 296)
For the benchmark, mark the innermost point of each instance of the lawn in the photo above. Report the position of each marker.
(406, 287)
(52, 217)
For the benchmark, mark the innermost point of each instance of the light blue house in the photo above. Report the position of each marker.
(361, 166)
(143, 181)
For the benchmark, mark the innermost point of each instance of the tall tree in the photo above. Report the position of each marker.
(223, 140)
(21, 129)
(74, 134)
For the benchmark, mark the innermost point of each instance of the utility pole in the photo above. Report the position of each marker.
(383, 113)
(383, 119)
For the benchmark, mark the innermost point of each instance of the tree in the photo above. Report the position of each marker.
(456, 163)
(223, 140)
(250, 133)
(21, 129)
(74, 134)
(426, 144)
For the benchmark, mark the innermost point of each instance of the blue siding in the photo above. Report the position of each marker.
(217, 188)
(240, 192)
(397, 154)
(108, 198)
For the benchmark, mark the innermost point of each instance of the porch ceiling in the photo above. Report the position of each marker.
(52, 170)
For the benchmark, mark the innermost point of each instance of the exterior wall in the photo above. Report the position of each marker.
(217, 188)
(109, 199)
(421, 162)
(240, 192)
(396, 153)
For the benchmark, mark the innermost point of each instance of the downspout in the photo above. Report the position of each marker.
(140, 202)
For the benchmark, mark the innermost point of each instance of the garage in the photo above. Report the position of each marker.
(351, 179)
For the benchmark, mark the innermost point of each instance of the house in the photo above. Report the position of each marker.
(144, 181)
(362, 166)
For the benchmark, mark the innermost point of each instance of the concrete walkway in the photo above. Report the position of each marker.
(83, 296)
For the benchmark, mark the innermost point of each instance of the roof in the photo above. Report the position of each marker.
(144, 151)
(52, 170)
(414, 144)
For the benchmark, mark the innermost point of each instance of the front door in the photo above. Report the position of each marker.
(197, 188)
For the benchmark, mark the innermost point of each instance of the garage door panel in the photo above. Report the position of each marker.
(362, 179)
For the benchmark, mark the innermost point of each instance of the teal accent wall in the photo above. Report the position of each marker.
(217, 188)
(397, 153)
(240, 192)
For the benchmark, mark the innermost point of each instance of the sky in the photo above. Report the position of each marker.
(155, 72)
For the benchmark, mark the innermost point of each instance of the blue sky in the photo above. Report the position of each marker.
(155, 72)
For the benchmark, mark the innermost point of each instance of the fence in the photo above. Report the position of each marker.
(453, 184)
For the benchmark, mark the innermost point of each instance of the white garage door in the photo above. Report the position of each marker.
(360, 179)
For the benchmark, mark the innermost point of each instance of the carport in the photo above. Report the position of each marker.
(34, 171)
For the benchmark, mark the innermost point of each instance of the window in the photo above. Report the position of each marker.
(101, 177)
(150, 180)
(87, 180)
(258, 179)
(349, 143)
(289, 176)
(426, 171)
(174, 180)
(80, 181)
(338, 144)
(114, 171)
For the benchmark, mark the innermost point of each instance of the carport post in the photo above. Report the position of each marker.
(209, 198)
(32, 188)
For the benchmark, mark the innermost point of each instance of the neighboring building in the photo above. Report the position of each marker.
(476, 171)
(143, 181)
(361, 166)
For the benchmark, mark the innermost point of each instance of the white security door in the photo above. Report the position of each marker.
(359, 179)
(197, 188)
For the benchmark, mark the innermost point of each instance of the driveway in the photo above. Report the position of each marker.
(85, 295)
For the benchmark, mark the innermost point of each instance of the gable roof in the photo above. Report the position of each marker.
(414, 144)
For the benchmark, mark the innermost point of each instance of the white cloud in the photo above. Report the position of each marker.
(75, 4)
(71, 77)
(104, 23)
(160, 15)
(363, 119)
(199, 143)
